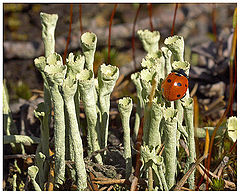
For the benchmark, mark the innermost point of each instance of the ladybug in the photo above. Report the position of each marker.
(175, 85)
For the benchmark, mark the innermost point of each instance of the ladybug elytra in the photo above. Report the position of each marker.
(175, 85)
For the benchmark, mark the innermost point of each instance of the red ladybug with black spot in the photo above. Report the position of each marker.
(175, 85)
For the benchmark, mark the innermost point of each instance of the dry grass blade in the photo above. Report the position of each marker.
(228, 184)
(134, 184)
(186, 189)
(215, 103)
(205, 176)
(219, 169)
(91, 182)
(120, 79)
(89, 185)
(184, 146)
(103, 188)
(161, 149)
(110, 181)
(194, 90)
(110, 188)
(100, 179)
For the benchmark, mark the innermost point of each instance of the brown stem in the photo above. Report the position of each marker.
(150, 15)
(133, 36)
(80, 18)
(235, 81)
(109, 33)
(174, 18)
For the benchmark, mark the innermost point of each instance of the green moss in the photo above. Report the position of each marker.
(22, 90)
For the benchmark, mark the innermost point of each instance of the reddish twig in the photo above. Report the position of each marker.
(109, 33)
(234, 145)
(150, 15)
(174, 18)
(16, 156)
(69, 34)
(235, 81)
(93, 185)
(80, 18)
(133, 35)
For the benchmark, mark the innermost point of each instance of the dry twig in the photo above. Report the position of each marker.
(194, 165)
(228, 184)
(109, 181)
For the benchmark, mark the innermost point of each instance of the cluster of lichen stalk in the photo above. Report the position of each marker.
(64, 87)
(163, 120)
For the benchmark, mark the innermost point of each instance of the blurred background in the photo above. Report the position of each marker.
(206, 28)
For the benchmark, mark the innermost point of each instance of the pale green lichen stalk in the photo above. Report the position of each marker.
(149, 39)
(139, 109)
(151, 159)
(167, 55)
(32, 172)
(87, 90)
(154, 62)
(44, 144)
(176, 46)
(9, 126)
(170, 151)
(17, 139)
(156, 117)
(125, 107)
(40, 160)
(107, 77)
(146, 78)
(55, 72)
(48, 22)
(88, 44)
(40, 114)
(188, 115)
(185, 66)
(69, 88)
(75, 64)
(232, 128)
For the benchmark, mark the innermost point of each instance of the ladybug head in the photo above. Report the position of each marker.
(181, 72)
